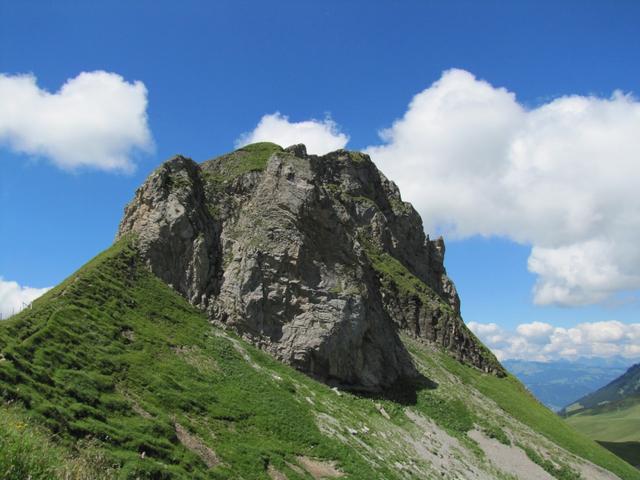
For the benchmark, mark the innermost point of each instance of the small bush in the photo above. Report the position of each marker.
(493, 431)
(451, 414)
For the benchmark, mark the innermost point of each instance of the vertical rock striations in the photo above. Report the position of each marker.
(315, 259)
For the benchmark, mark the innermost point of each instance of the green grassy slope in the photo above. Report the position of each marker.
(28, 451)
(250, 158)
(114, 374)
(621, 424)
(115, 355)
(615, 426)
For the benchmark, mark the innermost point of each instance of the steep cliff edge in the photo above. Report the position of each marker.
(315, 259)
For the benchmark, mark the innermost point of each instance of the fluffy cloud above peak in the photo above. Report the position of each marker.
(13, 297)
(543, 342)
(561, 177)
(95, 120)
(319, 136)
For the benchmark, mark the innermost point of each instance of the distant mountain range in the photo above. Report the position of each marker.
(559, 383)
(623, 389)
(611, 415)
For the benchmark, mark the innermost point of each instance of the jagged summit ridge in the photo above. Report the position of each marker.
(315, 259)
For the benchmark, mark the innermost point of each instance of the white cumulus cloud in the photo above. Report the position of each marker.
(96, 119)
(536, 332)
(14, 297)
(543, 342)
(319, 136)
(561, 177)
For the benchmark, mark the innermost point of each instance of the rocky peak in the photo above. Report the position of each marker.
(299, 150)
(174, 228)
(315, 259)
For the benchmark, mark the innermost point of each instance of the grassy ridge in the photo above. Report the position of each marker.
(116, 356)
(250, 158)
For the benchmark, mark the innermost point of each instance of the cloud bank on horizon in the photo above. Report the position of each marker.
(14, 297)
(96, 120)
(541, 341)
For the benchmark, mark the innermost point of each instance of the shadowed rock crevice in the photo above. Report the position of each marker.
(316, 260)
(403, 391)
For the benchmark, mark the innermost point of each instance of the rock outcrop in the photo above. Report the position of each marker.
(315, 259)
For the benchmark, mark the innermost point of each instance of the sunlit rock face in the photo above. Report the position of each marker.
(315, 259)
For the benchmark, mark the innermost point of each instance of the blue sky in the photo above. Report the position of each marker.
(212, 70)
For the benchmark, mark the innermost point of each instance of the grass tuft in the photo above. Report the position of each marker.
(250, 158)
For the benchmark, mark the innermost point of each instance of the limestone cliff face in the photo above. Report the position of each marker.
(315, 259)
